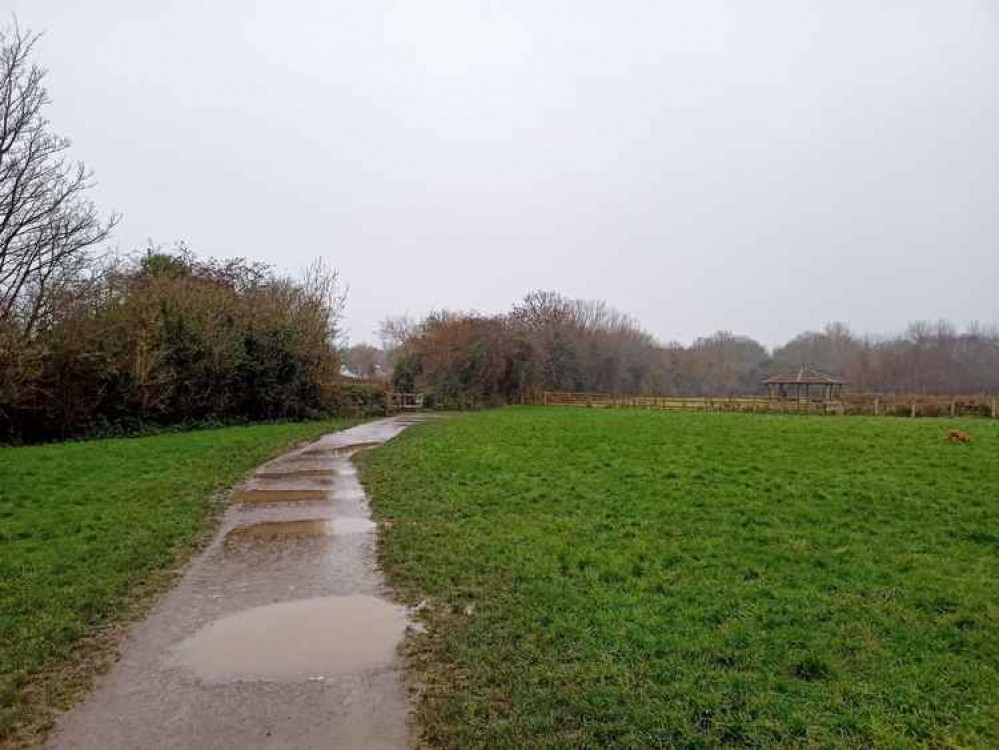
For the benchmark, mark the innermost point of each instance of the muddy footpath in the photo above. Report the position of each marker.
(281, 633)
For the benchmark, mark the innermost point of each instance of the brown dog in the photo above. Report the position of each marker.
(957, 436)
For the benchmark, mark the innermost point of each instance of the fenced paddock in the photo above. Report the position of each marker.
(858, 404)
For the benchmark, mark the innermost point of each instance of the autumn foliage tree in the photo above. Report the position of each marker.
(166, 338)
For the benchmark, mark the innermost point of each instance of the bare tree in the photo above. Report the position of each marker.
(46, 222)
(394, 332)
(325, 292)
(364, 360)
(542, 310)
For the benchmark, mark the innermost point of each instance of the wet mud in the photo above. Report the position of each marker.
(281, 634)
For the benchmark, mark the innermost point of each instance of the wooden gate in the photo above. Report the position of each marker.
(396, 401)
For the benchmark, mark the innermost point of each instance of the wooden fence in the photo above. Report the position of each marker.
(869, 404)
(395, 401)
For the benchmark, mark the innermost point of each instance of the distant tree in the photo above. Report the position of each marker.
(393, 334)
(725, 364)
(364, 360)
(551, 342)
(832, 350)
(542, 310)
(46, 222)
(158, 263)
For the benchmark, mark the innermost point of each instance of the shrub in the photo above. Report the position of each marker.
(168, 339)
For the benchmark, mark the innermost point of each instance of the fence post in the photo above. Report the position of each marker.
(953, 407)
(993, 408)
(913, 408)
(877, 406)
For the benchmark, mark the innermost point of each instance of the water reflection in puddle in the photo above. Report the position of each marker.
(296, 471)
(279, 529)
(342, 451)
(353, 525)
(295, 641)
(295, 481)
(310, 527)
(255, 495)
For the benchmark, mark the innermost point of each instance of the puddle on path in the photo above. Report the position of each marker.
(252, 495)
(309, 527)
(353, 525)
(342, 451)
(294, 472)
(295, 641)
(278, 530)
(291, 482)
(351, 495)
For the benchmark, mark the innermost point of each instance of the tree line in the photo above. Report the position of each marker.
(97, 343)
(550, 342)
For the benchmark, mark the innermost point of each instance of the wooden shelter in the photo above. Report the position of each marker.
(805, 385)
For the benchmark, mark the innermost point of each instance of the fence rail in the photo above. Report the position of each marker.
(396, 401)
(869, 404)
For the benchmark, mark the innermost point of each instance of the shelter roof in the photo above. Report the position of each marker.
(806, 375)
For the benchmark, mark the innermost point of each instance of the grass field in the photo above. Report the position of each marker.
(626, 579)
(87, 531)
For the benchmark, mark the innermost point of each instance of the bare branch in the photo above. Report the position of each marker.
(46, 221)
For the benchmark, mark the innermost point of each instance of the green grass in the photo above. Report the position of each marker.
(627, 579)
(89, 529)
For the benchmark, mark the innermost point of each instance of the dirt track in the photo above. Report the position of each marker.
(279, 635)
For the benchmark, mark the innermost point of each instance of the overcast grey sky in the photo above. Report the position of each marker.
(760, 166)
